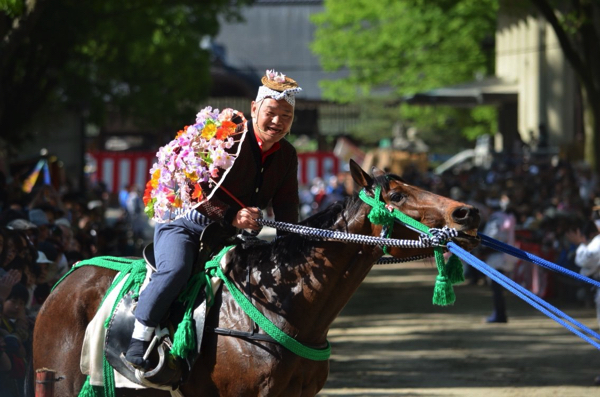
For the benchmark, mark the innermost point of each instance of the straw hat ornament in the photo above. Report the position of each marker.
(278, 86)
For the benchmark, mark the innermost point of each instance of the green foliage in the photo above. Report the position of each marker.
(138, 58)
(408, 46)
(12, 8)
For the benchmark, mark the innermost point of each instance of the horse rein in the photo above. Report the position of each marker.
(429, 238)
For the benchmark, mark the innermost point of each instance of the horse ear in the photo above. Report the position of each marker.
(359, 175)
(376, 172)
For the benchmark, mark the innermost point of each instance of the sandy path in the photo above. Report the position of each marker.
(391, 341)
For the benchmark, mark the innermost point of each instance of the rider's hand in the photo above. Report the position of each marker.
(245, 218)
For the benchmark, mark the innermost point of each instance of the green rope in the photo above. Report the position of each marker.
(213, 268)
(136, 270)
(108, 376)
(184, 340)
(448, 273)
(87, 390)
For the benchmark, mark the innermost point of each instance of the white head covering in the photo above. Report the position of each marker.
(288, 94)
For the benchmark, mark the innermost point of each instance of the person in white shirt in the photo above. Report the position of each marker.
(500, 226)
(587, 255)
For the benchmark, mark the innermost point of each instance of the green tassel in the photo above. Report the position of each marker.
(443, 293)
(108, 375)
(184, 340)
(381, 216)
(454, 270)
(87, 390)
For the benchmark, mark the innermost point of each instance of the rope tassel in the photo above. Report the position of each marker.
(443, 293)
(454, 270)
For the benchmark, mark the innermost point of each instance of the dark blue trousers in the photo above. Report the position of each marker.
(176, 246)
(498, 299)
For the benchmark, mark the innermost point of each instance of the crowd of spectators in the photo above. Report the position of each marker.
(42, 234)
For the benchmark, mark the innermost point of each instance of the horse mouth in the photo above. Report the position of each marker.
(467, 239)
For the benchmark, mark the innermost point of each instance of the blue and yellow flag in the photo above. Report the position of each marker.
(30, 181)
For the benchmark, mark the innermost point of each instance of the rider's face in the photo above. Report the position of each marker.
(272, 120)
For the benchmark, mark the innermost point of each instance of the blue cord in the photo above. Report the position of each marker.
(526, 295)
(500, 246)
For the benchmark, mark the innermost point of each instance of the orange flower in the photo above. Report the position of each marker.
(177, 203)
(148, 192)
(227, 128)
(155, 177)
(197, 194)
(180, 132)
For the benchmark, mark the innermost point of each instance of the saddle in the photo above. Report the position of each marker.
(167, 370)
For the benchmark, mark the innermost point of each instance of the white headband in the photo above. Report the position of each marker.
(289, 95)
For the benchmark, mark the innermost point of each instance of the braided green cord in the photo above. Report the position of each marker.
(443, 293)
(213, 268)
(136, 269)
(108, 376)
(184, 341)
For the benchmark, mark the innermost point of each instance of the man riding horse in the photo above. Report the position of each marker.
(264, 172)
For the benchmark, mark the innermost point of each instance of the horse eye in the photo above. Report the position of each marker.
(397, 197)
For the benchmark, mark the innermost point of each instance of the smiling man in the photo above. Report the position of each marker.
(264, 172)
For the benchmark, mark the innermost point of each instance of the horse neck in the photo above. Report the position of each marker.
(325, 280)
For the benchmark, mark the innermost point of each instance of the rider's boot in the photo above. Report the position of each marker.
(140, 341)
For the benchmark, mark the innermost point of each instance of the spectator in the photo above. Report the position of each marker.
(587, 255)
(7, 281)
(500, 226)
(135, 213)
(13, 318)
(12, 366)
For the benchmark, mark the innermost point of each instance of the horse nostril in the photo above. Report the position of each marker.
(466, 215)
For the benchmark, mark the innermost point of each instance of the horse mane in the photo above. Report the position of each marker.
(292, 247)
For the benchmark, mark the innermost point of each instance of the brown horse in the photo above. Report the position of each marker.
(299, 283)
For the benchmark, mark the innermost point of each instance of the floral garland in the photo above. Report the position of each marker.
(191, 166)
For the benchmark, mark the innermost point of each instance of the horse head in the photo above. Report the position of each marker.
(430, 209)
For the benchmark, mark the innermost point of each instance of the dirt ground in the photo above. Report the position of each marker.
(391, 341)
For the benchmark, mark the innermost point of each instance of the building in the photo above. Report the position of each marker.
(534, 88)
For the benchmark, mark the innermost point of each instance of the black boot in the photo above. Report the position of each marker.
(135, 354)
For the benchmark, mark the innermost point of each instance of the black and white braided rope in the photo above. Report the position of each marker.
(388, 260)
(438, 235)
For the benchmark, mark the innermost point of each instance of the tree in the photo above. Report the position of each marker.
(577, 27)
(405, 45)
(141, 58)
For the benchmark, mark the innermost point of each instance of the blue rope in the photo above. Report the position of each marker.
(527, 295)
(500, 246)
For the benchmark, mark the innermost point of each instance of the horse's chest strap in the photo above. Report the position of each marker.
(252, 336)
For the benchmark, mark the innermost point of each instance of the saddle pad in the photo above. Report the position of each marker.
(92, 352)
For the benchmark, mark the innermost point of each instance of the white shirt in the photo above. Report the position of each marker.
(587, 257)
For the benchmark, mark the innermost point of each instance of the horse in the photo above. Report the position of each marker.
(300, 283)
